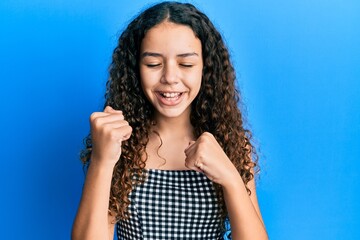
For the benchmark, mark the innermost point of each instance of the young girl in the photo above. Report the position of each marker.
(170, 158)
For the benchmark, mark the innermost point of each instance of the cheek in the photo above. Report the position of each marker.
(197, 80)
(148, 83)
(145, 79)
(142, 76)
(144, 83)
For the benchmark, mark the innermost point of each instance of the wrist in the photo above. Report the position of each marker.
(233, 183)
(99, 163)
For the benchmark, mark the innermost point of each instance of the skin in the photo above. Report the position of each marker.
(170, 63)
(108, 130)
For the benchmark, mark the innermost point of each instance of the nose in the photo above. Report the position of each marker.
(170, 74)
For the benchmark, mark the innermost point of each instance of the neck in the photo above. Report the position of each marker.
(174, 127)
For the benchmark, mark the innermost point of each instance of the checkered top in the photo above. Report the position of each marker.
(172, 204)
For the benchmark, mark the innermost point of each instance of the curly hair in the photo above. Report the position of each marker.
(214, 110)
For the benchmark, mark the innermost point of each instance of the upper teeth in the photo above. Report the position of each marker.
(170, 95)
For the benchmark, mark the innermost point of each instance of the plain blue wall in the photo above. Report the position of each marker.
(298, 64)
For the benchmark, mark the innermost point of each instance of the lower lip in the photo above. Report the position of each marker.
(169, 101)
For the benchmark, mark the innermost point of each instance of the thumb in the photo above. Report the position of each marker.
(190, 144)
(109, 109)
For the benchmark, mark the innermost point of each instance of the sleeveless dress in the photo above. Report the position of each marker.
(172, 204)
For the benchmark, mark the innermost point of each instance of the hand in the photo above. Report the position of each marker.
(108, 130)
(205, 155)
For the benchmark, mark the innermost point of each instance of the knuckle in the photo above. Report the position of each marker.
(124, 122)
(121, 117)
(187, 164)
(96, 122)
(207, 135)
(129, 128)
(93, 116)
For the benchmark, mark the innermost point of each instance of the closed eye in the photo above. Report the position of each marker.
(186, 65)
(153, 65)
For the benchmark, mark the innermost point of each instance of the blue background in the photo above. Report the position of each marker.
(298, 66)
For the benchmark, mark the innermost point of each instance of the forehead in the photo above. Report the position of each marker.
(168, 37)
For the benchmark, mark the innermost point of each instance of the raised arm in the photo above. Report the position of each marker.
(244, 214)
(93, 221)
(206, 155)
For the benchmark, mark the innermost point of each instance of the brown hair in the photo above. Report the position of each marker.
(214, 110)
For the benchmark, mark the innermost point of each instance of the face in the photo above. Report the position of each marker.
(171, 68)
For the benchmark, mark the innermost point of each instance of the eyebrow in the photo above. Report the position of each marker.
(182, 55)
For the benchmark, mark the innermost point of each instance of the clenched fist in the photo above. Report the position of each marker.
(108, 130)
(205, 155)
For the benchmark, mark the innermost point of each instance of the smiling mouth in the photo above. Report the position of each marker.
(170, 95)
(170, 98)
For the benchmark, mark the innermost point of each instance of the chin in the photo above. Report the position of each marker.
(173, 113)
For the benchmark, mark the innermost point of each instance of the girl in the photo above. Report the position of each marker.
(170, 158)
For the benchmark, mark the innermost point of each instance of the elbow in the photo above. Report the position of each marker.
(253, 235)
(263, 235)
(76, 234)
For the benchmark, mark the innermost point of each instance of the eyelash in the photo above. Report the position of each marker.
(186, 65)
(153, 65)
(157, 65)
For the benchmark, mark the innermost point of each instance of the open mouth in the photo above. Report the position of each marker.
(170, 98)
(170, 95)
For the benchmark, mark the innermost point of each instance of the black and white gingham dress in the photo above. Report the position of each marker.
(172, 204)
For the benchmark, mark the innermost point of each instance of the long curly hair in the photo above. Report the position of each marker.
(214, 110)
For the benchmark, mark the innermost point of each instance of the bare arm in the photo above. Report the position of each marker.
(244, 214)
(206, 155)
(93, 221)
